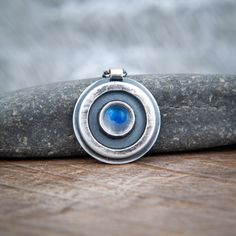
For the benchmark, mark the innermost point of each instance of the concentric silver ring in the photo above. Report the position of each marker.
(111, 155)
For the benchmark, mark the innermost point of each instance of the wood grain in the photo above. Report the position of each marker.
(170, 194)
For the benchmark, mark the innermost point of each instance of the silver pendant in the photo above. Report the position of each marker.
(116, 119)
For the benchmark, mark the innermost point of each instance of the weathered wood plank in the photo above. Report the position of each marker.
(171, 194)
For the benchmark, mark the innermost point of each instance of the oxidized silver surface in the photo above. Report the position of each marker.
(93, 146)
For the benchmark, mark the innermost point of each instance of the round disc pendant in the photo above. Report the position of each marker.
(116, 121)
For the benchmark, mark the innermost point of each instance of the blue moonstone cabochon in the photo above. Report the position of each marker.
(117, 118)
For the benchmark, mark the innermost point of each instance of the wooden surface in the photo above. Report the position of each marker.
(170, 194)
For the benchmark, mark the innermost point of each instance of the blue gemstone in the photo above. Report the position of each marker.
(117, 118)
(118, 115)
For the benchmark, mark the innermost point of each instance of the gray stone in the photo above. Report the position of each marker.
(198, 111)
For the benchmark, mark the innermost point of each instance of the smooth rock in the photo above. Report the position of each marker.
(198, 111)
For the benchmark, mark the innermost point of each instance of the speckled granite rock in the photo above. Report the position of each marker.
(198, 111)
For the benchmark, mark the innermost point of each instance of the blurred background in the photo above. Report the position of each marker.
(47, 41)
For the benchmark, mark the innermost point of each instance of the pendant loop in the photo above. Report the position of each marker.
(115, 74)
